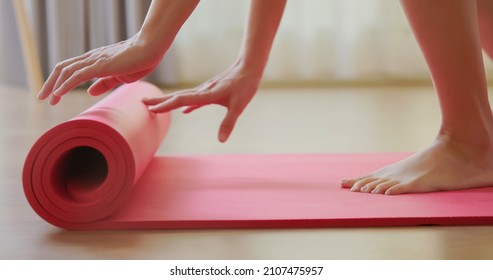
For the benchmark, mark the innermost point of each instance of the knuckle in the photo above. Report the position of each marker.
(59, 66)
(102, 57)
(77, 73)
(233, 112)
(204, 92)
(65, 72)
(89, 53)
(98, 62)
(100, 67)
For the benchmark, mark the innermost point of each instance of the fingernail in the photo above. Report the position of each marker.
(151, 108)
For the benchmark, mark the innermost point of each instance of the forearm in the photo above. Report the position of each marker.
(263, 22)
(485, 19)
(163, 21)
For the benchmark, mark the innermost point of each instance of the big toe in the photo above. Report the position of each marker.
(349, 183)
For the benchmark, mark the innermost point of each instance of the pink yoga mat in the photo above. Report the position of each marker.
(98, 171)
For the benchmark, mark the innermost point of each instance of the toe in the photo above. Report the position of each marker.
(383, 187)
(348, 183)
(361, 183)
(398, 189)
(371, 186)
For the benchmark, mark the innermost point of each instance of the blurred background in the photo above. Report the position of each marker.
(320, 42)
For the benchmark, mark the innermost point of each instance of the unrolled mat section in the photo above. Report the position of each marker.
(98, 171)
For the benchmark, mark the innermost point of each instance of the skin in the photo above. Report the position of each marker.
(485, 19)
(461, 156)
(135, 58)
(448, 32)
(236, 86)
(124, 62)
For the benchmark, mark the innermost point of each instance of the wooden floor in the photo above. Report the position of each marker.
(278, 121)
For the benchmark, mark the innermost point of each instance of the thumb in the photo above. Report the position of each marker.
(103, 85)
(227, 125)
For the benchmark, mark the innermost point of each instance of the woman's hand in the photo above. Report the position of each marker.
(123, 62)
(233, 89)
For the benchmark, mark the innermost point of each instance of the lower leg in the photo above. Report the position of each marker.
(448, 34)
(485, 19)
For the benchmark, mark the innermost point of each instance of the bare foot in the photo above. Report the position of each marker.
(446, 165)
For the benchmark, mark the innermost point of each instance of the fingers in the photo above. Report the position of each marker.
(79, 76)
(67, 75)
(174, 101)
(48, 86)
(113, 64)
(55, 99)
(68, 72)
(190, 109)
(103, 85)
(228, 124)
(151, 101)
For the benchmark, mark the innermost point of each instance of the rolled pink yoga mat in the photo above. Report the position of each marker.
(98, 171)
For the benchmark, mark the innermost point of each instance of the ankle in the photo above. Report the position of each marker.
(478, 143)
(478, 129)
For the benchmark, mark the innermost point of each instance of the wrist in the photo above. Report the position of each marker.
(162, 23)
(248, 66)
(152, 44)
